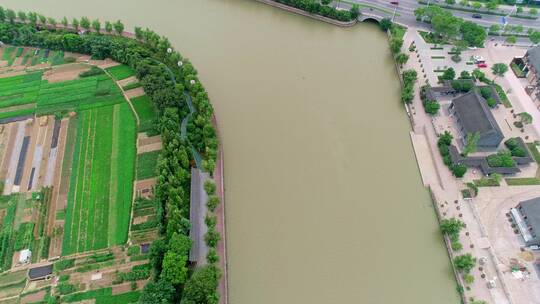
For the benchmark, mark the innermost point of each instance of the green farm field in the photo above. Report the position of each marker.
(38, 96)
(120, 72)
(101, 182)
(146, 112)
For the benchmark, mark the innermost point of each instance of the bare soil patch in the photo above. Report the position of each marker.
(34, 297)
(19, 107)
(140, 219)
(148, 144)
(135, 92)
(145, 187)
(127, 81)
(65, 72)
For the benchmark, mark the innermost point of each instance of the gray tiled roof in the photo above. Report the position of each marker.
(531, 209)
(40, 272)
(475, 116)
(533, 56)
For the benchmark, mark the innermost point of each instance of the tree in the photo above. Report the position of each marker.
(525, 117)
(395, 45)
(451, 226)
(446, 25)
(431, 107)
(445, 138)
(492, 5)
(160, 292)
(511, 39)
(451, 2)
(2, 14)
(108, 27)
(478, 74)
(213, 202)
(139, 33)
(464, 3)
(32, 17)
(175, 260)
(22, 16)
(201, 287)
(465, 262)
(449, 74)
(401, 59)
(534, 37)
(354, 11)
(494, 29)
(85, 23)
(477, 5)
(10, 14)
(471, 143)
(65, 22)
(96, 25)
(75, 24)
(119, 27)
(459, 170)
(519, 10)
(42, 19)
(473, 34)
(210, 187)
(533, 11)
(518, 29)
(52, 21)
(212, 257)
(496, 177)
(499, 69)
(385, 24)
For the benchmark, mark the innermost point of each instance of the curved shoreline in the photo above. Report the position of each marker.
(304, 13)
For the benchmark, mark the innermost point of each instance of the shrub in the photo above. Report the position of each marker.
(133, 250)
(64, 264)
(518, 124)
(445, 138)
(456, 246)
(456, 58)
(213, 202)
(459, 170)
(501, 159)
(212, 257)
(447, 160)
(431, 107)
(210, 187)
(92, 72)
(444, 150)
(485, 92)
(491, 102)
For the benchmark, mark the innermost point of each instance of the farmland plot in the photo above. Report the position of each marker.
(99, 198)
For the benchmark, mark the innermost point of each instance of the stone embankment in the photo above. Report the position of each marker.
(304, 13)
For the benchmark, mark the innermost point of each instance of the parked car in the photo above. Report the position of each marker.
(482, 65)
(477, 16)
(394, 2)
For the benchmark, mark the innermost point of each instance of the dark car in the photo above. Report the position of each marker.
(477, 16)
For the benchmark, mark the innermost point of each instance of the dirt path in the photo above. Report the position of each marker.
(125, 97)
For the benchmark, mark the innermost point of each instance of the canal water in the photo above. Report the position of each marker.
(324, 198)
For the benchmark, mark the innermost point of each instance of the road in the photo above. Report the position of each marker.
(405, 13)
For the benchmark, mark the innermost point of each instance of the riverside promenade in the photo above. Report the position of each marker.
(446, 193)
(220, 225)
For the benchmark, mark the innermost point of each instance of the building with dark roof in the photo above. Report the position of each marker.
(40, 273)
(473, 115)
(531, 68)
(527, 218)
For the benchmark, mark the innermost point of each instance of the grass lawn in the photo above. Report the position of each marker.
(120, 72)
(486, 182)
(103, 296)
(534, 152)
(146, 112)
(525, 181)
(101, 181)
(147, 164)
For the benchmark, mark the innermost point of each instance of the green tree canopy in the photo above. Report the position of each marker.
(473, 34)
(499, 69)
(465, 262)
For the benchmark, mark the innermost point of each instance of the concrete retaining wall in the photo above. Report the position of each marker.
(304, 13)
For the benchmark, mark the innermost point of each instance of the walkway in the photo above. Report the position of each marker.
(446, 188)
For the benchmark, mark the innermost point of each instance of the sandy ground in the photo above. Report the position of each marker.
(65, 72)
(135, 92)
(144, 188)
(148, 144)
(34, 297)
(127, 81)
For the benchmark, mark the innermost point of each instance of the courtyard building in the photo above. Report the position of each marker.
(473, 115)
(527, 218)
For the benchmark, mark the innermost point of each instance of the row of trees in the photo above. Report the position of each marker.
(448, 26)
(36, 19)
(490, 5)
(166, 82)
(324, 9)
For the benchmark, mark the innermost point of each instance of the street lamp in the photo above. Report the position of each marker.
(169, 50)
(180, 64)
(192, 82)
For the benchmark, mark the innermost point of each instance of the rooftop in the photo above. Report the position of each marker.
(533, 56)
(40, 272)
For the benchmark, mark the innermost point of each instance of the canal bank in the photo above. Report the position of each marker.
(315, 138)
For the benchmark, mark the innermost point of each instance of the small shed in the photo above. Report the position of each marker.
(25, 256)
